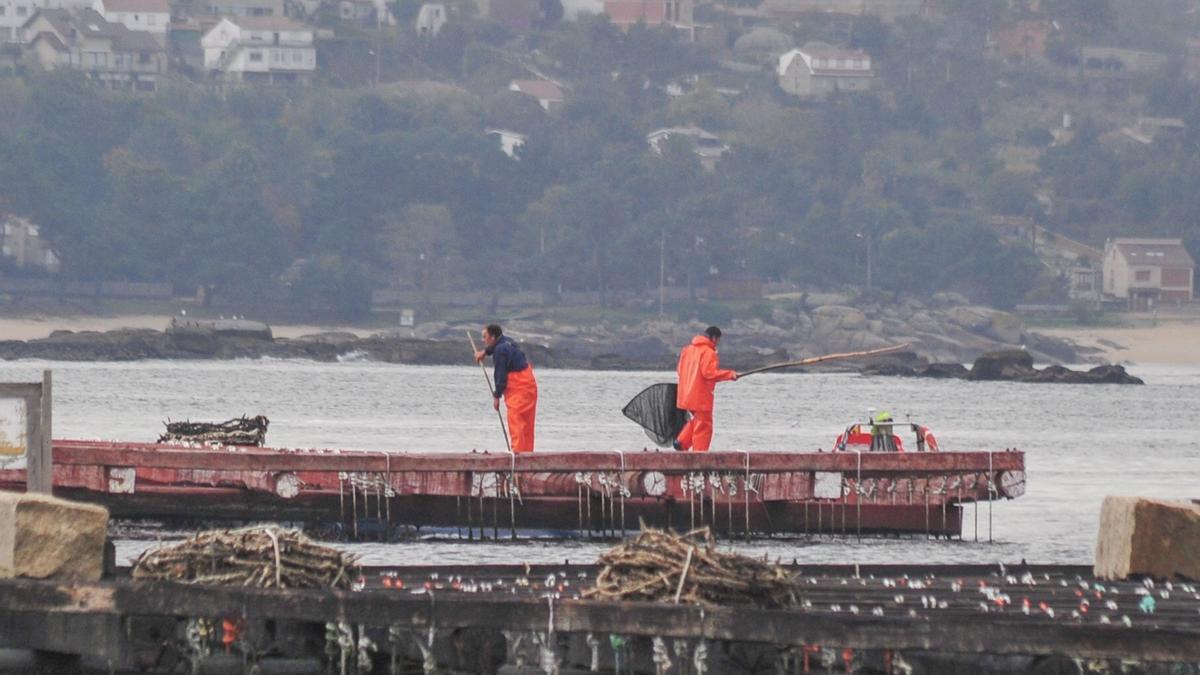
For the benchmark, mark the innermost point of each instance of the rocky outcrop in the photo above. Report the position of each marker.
(1010, 365)
(1149, 537)
(943, 330)
(45, 537)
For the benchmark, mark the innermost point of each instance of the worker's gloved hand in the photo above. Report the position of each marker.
(496, 403)
(735, 377)
(479, 355)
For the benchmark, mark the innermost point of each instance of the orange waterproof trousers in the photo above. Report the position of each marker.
(697, 433)
(520, 397)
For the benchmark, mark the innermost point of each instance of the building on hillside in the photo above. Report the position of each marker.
(1116, 59)
(1148, 272)
(816, 69)
(244, 8)
(22, 245)
(548, 94)
(107, 52)
(150, 16)
(260, 49)
(707, 146)
(431, 18)
(511, 142)
(1021, 41)
(886, 10)
(625, 14)
(14, 14)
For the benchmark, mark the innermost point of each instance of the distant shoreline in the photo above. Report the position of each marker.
(36, 328)
(1169, 342)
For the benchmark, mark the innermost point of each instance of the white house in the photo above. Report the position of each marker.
(431, 18)
(21, 243)
(816, 69)
(14, 14)
(148, 16)
(260, 48)
(1148, 271)
(511, 142)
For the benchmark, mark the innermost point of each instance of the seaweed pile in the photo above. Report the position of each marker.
(262, 557)
(239, 431)
(660, 566)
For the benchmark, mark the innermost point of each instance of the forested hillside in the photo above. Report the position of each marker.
(318, 194)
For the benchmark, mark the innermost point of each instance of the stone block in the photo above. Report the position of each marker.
(45, 537)
(1152, 537)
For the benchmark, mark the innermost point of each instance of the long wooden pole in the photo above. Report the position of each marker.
(488, 379)
(827, 357)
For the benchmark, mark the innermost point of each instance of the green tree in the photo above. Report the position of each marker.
(420, 246)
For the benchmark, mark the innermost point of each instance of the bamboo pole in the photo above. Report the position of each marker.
(487, 378)
(827, 357)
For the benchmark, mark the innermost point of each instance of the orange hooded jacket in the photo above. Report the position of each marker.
(699, 373)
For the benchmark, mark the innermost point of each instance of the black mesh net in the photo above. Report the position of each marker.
(654, 409)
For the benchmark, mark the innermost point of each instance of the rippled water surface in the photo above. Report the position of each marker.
(1082, 441)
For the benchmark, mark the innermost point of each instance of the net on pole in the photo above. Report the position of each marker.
(654, 409)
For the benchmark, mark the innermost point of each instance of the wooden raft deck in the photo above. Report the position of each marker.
(875, 614)
(737, 493)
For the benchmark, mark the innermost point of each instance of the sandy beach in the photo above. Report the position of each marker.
(1175, 342)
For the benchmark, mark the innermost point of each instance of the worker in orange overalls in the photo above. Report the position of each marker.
(699, 373)
(514, 382)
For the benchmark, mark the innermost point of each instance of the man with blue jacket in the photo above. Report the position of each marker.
(514, 382)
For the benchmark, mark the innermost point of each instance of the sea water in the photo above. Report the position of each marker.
(1082, 442)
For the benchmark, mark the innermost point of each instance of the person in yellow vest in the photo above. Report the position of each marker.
(882, 439)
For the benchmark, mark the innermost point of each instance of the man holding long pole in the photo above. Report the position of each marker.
(514, 382)
(699, 372)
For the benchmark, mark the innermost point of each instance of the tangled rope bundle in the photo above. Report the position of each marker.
(263, 557)
(660, 566)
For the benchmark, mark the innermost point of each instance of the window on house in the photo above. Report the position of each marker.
(1177, 278)
(297, 57)
(256, 56)
(3, 9)
(21, 10)
(1142, 275)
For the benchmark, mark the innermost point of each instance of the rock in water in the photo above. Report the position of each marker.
(43, 537)
(1007, 364)
(1153, 537)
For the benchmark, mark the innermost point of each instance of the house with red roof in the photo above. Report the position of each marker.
(625, 14)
